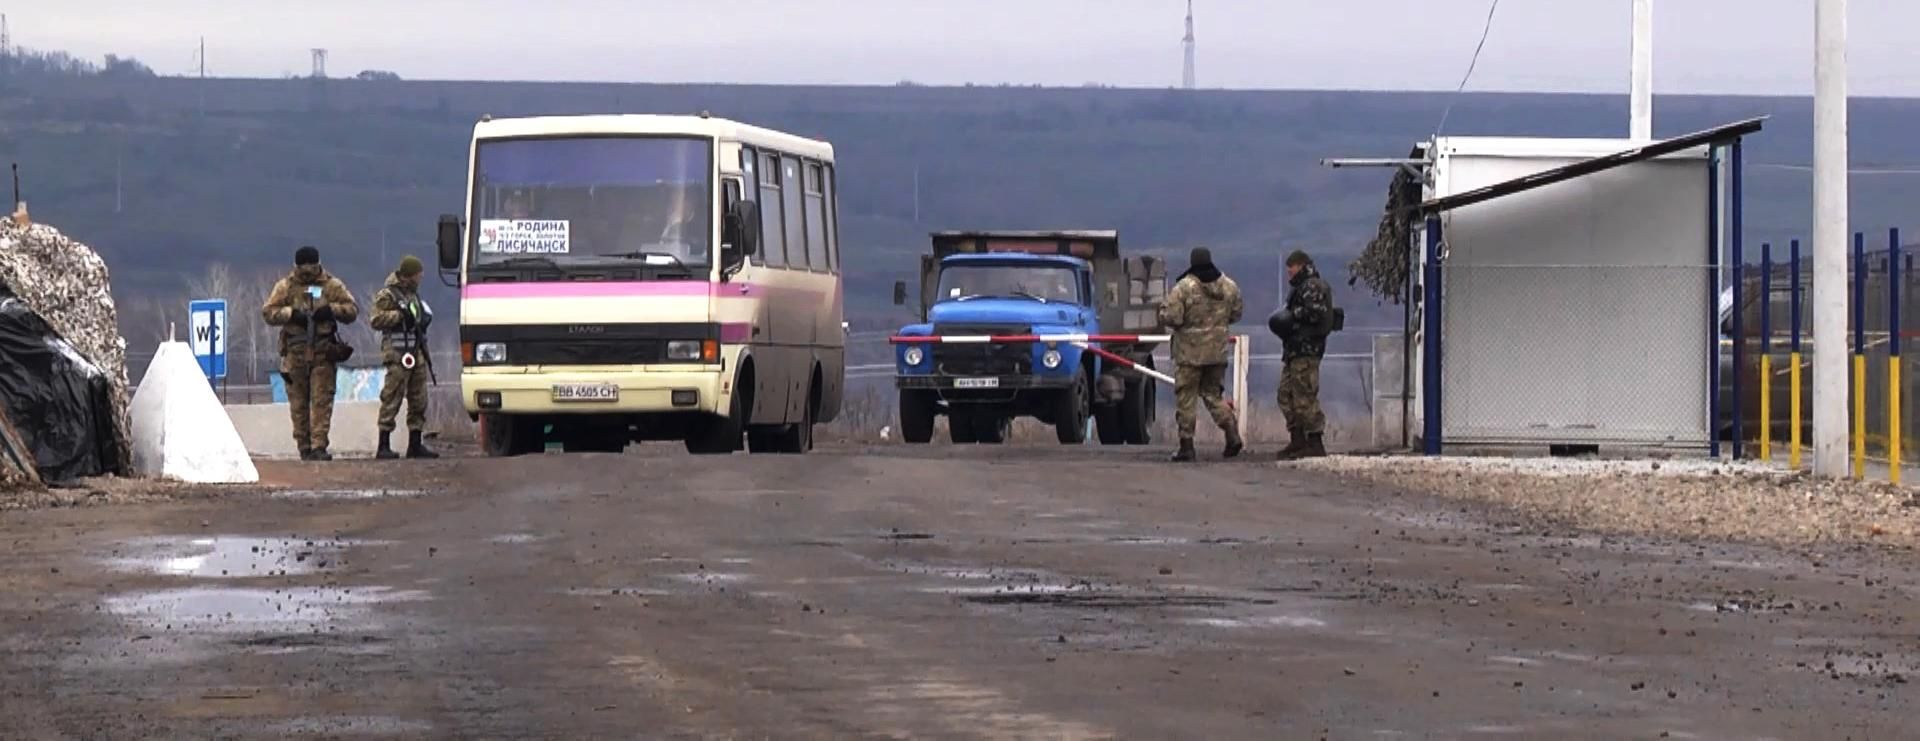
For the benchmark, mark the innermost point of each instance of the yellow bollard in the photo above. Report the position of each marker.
(1793, 412)
(1894, 461)
(1860, 416)
(1766, 408)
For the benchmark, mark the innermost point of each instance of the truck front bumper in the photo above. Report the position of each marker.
(641, 390)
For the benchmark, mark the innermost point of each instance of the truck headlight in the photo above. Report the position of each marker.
(490, 353)
(1051, 360)
(914, 355)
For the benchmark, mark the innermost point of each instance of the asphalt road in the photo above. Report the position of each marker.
(930, 593)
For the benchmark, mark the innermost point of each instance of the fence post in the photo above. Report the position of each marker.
(1242, 358)
(1738, 270)
(1859, 355)
(1793, 360)
(1766, 351)
(1894, 459)
(1714, 333)
(1430, 342)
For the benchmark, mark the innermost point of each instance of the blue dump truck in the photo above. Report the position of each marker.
(978, 285)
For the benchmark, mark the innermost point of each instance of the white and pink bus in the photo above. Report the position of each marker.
(632, 278)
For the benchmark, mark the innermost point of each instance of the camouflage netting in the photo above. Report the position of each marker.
(1384, 263)
(66, 283)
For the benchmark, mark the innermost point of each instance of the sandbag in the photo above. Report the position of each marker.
(60, 404)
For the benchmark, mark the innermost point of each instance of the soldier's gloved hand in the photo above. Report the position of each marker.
(323, 313)
(297, 318)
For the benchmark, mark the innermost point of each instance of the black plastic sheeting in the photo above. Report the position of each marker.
(61, 405)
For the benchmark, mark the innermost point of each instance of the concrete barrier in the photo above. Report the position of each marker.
(267, 429)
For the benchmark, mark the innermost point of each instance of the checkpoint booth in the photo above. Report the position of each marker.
(1565, 292)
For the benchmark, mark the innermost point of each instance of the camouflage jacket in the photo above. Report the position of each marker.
(400, 317)
(292, 293)
(1200, 311)
(1311, 303)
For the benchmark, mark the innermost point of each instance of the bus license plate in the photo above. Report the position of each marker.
(976, 383)
(586, 392)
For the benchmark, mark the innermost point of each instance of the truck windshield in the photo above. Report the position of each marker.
(594, 203)
(1041, 283)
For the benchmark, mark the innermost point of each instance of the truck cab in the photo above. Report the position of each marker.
(979, 289)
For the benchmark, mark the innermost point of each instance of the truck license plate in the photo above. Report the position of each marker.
(586, 392)
(976, 383)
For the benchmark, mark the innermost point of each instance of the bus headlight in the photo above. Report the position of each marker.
(490, 353)
(683, 350)
(914, 355)
(1051, 360)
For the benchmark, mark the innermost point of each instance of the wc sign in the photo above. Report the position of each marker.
(207, 335)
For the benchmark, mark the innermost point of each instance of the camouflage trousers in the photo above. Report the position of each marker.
(407, 385)
(1197, 384)
(309, 398)
(1300, 396)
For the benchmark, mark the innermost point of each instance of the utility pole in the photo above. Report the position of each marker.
(319, 64)
(1188, 43)
(1641, 103)
(1830, 239)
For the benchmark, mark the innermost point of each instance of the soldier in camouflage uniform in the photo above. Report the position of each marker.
(309, 306)
(402, 318)
(1303, 328)
(1199, 310)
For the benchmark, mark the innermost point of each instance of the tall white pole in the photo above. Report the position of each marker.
(1830, 239)
(1641, 105)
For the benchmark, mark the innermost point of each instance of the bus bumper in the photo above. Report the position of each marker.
(634, 391)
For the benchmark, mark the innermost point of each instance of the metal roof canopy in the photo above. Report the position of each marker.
(1583, 168)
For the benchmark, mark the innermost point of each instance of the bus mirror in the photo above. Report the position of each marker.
(448, 240)
(739, 232)
(899, 293)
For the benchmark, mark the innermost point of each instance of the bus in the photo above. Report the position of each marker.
(633, 278)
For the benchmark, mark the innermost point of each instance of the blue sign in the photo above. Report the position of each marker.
(207, 334)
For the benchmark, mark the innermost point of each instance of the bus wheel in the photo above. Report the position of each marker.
(798, 438)
(505, 436)
(718, 435)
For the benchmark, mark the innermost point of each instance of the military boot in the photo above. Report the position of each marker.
(306, 453)
(1296, 442)
(1316, 446)
(386, 446)
(1186, 452)
(321, 455)
(1234, 444)
(417, 447)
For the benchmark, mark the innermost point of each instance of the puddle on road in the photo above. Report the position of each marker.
(354, 725)
(289, 609)
(346, 493)
(228, 556)
(1269, 621)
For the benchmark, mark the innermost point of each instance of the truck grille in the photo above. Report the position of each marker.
(1014, 359)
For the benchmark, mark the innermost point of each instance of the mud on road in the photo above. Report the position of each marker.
(932, 593)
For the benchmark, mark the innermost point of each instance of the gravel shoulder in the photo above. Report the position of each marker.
(1747, 503)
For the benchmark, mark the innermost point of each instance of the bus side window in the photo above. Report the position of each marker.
(790, 187)
(773, 244)
(833, 221)
(816, 219)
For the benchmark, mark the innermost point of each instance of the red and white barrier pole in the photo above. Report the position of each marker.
(1125, 363)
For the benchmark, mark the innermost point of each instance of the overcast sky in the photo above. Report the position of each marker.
(1719, 46)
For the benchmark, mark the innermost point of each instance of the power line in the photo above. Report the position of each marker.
(1485, 31)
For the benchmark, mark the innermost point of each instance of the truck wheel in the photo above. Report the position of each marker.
(1136, 413)
(992, 429)
(1070, 412)
(963, 425)
(1106, 424)
(917, 409)
(506, 436)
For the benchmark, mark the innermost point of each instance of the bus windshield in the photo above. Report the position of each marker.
(594, 202)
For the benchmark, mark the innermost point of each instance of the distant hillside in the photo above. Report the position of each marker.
(167, 175)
